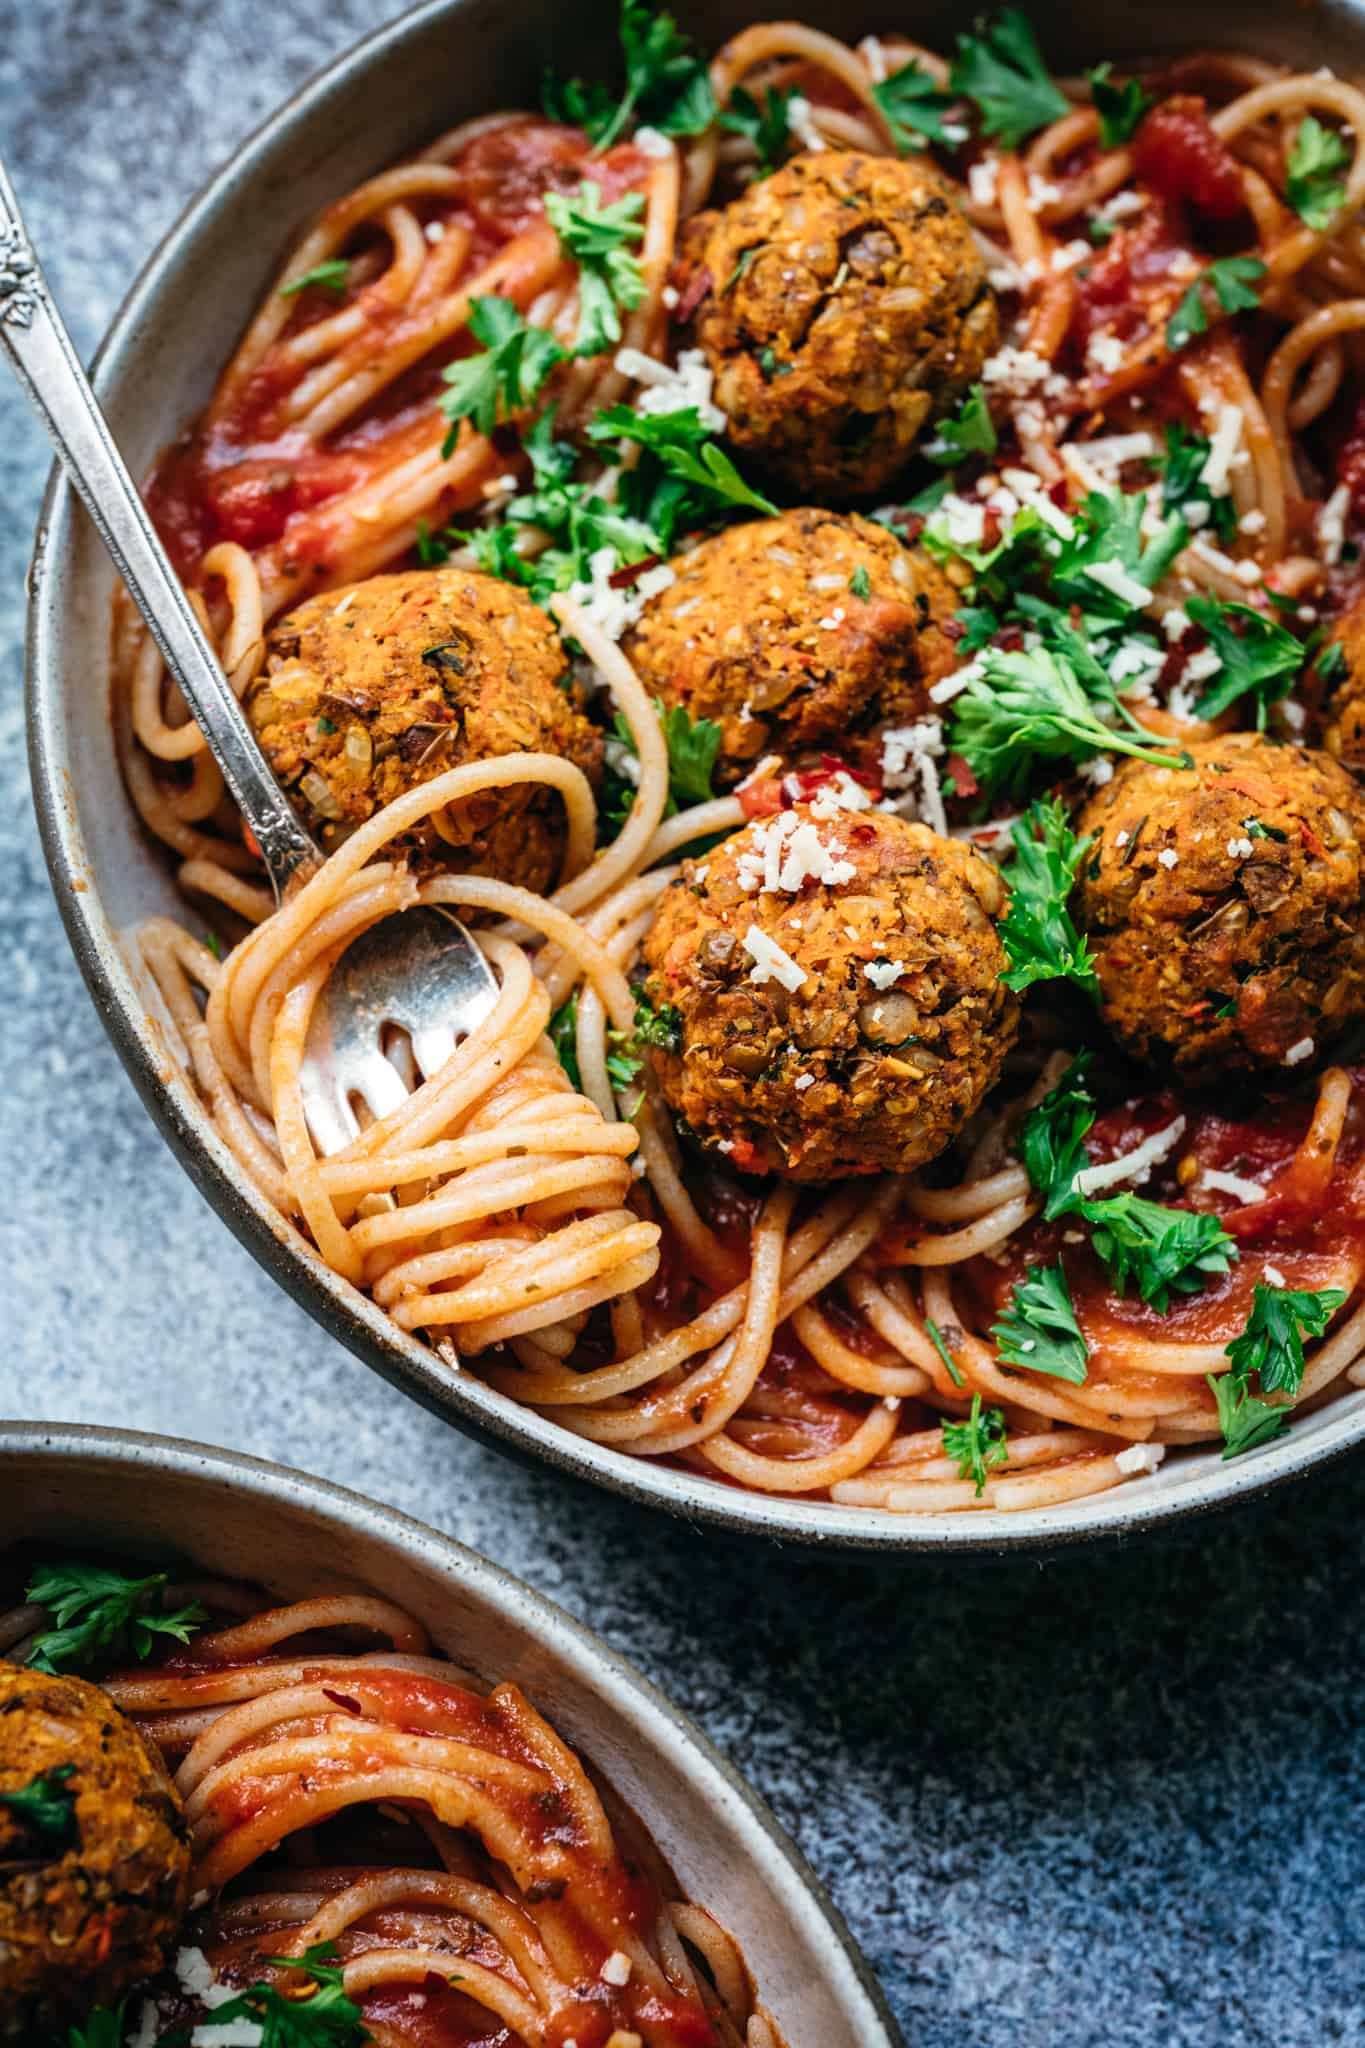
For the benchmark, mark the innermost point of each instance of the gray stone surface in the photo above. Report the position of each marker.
(1115, 1801)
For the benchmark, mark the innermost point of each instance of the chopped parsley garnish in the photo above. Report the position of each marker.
(764, 121)
(45, 1808)
(504, 376)
(1315, 187)
(434, 548)
(332, 276)
(685, 453)
(1182, 484)
(327, 2018)
(662, 1027)
(601, 240)
(1260, 659)
(1037, 930)
(1230, 279)
(976, 1444)
(1101, 230)
(1002, 72)
(1052, 1138)
(667, 86)
(1029, 706)
(1039, 1329)
(693, 744)
(936, 1338)
(1156, 1249)
(1246, 1423)
(562, 1032)
(1271, 1347)
(578, 522)
(105, 2027)
(1109, 532)
(99, 1612)
(970, 432)
(914, 108)
(1120, 107)
(1331, 662)
(860, 583)
(623, 1059)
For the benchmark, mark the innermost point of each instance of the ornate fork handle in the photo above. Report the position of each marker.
(37, 343)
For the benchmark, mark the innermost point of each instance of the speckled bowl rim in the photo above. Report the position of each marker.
(1125, 1511)
(652, 1722)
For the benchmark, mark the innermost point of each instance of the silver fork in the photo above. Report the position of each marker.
(419, 971)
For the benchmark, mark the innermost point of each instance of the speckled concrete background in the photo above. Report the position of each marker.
(1115, 1801)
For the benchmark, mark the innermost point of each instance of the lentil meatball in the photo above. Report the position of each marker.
(846, 307)
(897, 1024)
(1226, 905)
(87, 1914)
(369, 691)
(788, 632)
(1344, 714)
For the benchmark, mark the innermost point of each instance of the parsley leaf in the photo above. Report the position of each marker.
(505, 375)
(977, 1443)
(562, 1032)
(1039, 1329)
(1271, 1345)
(1246, 1423)
(101, 1612)
(681, 443)
(913, 107)
(936, 1338)
(327, 2018)
(1109, 532)
(44, 1806)
(971, 432)
(1230, 278)
(667, 86)
(662, 1027)
(332, 276)
(600, 240)
(1002, 72)
(1260, 659)
(1182, 484)
(693, 745)
(1052, 1138)
(623, 1059)
(1030, 706)
(579, 523)
(105, 2027)
(1314, 187)
(1158, 1249)
(764, 122)
(1120, 107)
(1037, 929)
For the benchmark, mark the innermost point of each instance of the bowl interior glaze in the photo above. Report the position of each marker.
(298, 1536)
(436, 65)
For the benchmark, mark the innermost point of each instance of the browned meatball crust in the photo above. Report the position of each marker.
(86, 1916)
(846, 307)
(1344, 713)
(898, 1027)
(1226, 905)
(369, 691)
(792, 632)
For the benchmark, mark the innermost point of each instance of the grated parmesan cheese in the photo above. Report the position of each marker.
(1299, 1052)
(1114, 577)
(1131, 1166)
(801, 122)
(1223, 445)
(672, 389)
(1168, 856)
(770, 962)
(1332, 524)
(882, 973)
(1234, 1184)
(1139, 1458)
(1274, 1276)
(786, 852)
(616, 1969)
(612, 609)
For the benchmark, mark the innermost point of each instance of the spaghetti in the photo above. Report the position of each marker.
(574, 1257)
(472, 1881)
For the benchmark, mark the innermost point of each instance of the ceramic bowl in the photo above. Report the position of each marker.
(110, 1491)
(427, 70)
